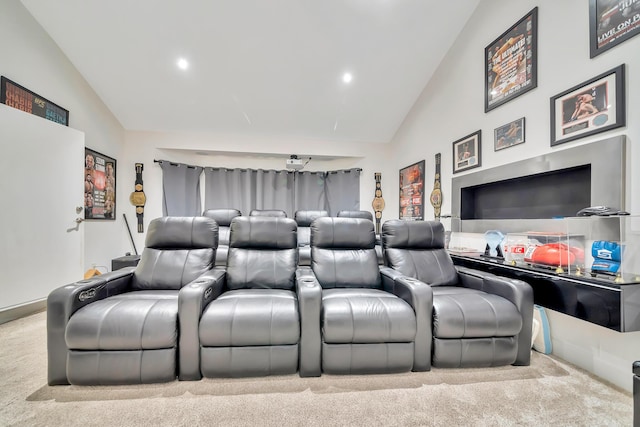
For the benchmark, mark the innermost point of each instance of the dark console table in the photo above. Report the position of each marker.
(601, 301)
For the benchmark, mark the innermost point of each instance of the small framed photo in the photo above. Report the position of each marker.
(612, 22)
(594, 106)
(467, 152)
(509, 135)
(412, 192)
(511, 62)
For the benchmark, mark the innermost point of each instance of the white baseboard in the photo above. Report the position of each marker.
(17, 311)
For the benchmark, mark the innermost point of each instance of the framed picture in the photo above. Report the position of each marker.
(412, 192)
(591, 107)
(509, 135)
(16, 96)
(467, 152)
(511, 62)
(99, 186)
(611, 22)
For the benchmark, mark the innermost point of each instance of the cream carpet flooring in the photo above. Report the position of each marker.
(549, 392)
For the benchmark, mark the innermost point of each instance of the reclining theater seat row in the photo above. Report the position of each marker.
(175, 314)
(479, 319)
(368, 322)
(122, 327)
(247, 322)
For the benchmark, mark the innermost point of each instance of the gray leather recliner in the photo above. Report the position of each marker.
(247, 322)
(122, 327)
(365, 215)
(478, 319)
(304, 218)
(278, 213)
(355, 214)
(223, 217)
(365, 322)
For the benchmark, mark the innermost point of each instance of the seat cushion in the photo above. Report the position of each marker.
(365, 316)
(468, 313)
(141, 320)
(251, 317)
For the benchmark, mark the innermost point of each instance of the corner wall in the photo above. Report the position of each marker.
(31, 58)
(452, 106)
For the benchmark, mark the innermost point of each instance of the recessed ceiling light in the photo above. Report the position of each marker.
(347, 77)
(183, 64)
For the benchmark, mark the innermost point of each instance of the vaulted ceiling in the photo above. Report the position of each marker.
(257, 67)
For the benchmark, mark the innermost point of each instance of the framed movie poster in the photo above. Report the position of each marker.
(16, 96)
(99, 186)
(511, 62)
(412, 192)
(467, 152)
(591, 107)
(508, 135)
(611, 22)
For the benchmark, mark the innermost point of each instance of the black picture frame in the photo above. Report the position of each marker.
(99, 186)
(611, 23)
(412, 189)
(509, 135)
(467, 152)
(17, 96)
(594, 106)
(511, 62)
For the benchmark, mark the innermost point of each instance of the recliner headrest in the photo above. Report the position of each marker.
(342, 233)
(174, 232)
(305, 218)
(222, 216)
(356, 214)
(263, 232)
(412, 234)
(268, 212)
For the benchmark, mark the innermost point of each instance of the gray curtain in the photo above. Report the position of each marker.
(247, 189)
(342, 191)
(180, 189)
(309, 188)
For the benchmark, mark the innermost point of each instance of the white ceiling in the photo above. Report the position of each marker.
(257, 67)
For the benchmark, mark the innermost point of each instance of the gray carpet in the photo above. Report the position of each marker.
(549, 392)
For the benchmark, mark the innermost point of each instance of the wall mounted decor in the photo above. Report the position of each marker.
(138, 198)
(16, 96)
(508, 135)
(467, 152)
(378, 202)
(591, 107)
(99, 186)
(436, 194)
(511, 62)
(611, 22)
(412, 192)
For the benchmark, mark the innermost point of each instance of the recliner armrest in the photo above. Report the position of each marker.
(62, 302)
(419, 296)
(192, 300)
(309, 294)
(518, 292)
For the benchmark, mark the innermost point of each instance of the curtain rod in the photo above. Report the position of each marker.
(222, 167)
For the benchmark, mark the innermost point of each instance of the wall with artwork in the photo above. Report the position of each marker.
(452, 106)
(33, 60)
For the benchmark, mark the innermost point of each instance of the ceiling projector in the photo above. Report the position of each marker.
(295, 163)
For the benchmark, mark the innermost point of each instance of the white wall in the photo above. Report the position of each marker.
(452, 106)
(32, 59)
(144, 147)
